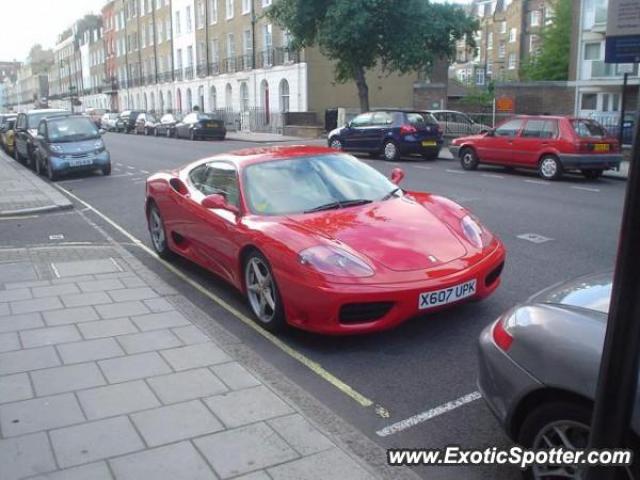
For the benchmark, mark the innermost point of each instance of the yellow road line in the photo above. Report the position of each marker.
(315, 367)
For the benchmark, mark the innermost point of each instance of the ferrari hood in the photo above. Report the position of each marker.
(400, 234)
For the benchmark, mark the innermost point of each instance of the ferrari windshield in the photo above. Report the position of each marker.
(307, 184)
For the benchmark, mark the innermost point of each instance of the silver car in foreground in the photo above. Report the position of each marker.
(539, 365)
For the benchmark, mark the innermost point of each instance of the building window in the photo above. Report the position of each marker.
(215, 51)
(490, 41)
(178, 26)
(213, 99)
(589, 101)
(244, 97)
(179, 58)
(512, 61)
(267, 37)
(284, 95)
(480, 76)
(144, 36)
(246, 41)
(266, 3)
(489, 69)
(246, 6)
(503, 27)
(512, 35)
(189, 56)
(535, 18)
(501, 50)
(228, 97)
(592, 51)
(229, 4)
(231, 46)
(189, 23)
(200, 14)
(213, 11)
(533, 44)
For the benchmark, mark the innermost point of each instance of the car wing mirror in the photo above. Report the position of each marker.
(397, 174)
(489, 132)
(218, 201)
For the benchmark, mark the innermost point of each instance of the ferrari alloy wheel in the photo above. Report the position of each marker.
(468, 159)
(335, 143)
(390, 151)
(550, 168)
(262, 292)
(157, 232)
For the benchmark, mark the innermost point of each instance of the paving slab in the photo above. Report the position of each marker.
(39, 414)
(70, 315)
(147, 341)
(76, 268)
(92, 471)
(194, 356)
(49, 336)
(118, 399)
(98, 349)
(25, 360)
(132, 367)
(15, 387)
(329, 464)
(67, 378)
(12, 323)
(9, 341)
(300, 434)
(188, 385)
(25, 456)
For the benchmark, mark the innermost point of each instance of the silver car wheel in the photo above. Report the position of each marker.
(565, 434)
(156, 227)
(260, 290)
(549, 167)
(467, 159)
(336, 143)
(390, 151)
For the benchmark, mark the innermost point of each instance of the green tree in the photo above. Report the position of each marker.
(552, 60)
(398, 35)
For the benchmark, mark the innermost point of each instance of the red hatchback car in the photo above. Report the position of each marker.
(550, 144)
(321, 241)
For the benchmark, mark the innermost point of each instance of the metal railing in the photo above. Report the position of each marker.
(188, 73)
(177, 73)
(201, 70)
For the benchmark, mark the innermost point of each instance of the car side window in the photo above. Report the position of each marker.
(197, 176)
(221, 178)
(42, 129)
(550, 129)
(509, 129)
(533, 129)
(382, 118)
(362, 120)
(191, 118)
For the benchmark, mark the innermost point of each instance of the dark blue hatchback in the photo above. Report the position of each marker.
(390, 133)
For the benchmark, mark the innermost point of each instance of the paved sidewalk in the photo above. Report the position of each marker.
(105, 373)
(22, 192)
(259, 137)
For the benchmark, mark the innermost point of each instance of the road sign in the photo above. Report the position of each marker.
(623, 32)
(505, 104)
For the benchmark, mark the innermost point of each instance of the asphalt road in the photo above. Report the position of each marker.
(423, 364)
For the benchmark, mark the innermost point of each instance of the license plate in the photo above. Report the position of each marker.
(80, 162)
(429, 143)
(212, 125)
(601, 147)
(446, 295)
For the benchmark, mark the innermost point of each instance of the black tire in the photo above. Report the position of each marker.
(592, 173)
(550, 168)
(374, 154)
(276, 319)
(51, 175)
(168, 133)
(390, 151)
(192, 135)
(161, 246)
(38, 165)
(335, 143)
(106, 171)
(546, 414)
(431, 156)
(468, 159)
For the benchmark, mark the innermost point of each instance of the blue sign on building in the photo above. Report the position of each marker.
(622, 49)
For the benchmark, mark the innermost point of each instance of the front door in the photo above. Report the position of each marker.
(500, 147)
(353, 135)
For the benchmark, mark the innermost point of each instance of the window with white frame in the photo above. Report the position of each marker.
(178, 23)
(284, 95)
(200, 20)
(231, 45)
(266, 3)
(246, 6)
(535, 18)
(246, 42)
(480, 76)
(244, 96)
(503, 26)
(213, 11)
(513, 33)
(489, 68)
(267, 37)
(215, 51)
(512, 61)
(168, 29)
(533, 44)
(501, 50)
(229, 6)
(589, 101)
(490, 41)
(189, 23)
(592, 51)
(179, 59)
(189, 56)
(144, 36)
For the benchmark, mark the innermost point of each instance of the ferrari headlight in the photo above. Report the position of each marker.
(56, 148)
(473, 231)
(333, 260)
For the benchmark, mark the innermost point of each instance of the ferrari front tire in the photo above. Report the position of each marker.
(262, 292)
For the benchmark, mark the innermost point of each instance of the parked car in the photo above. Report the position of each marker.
(539, 364)
(5, 117)
(69, 144)
(127, 121)
(455, 124)
(7, 134)
(108, 121)
(198, 125)
(551, 144)
(167, 124)
(25, 132)
(145, 123)
(319, 240)
(95, 114)
(390, 133)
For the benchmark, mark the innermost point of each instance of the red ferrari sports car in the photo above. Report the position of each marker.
(319, 240)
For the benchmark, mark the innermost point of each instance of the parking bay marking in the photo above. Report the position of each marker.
(448, 170)
(534, 238)
(428, 415)
(586, 189)
(538, 182)
(304, 360)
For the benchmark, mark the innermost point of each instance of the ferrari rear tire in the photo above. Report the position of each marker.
(262, 293)
(158, 233)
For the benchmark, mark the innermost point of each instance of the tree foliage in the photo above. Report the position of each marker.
(398, 35)
(552, 60)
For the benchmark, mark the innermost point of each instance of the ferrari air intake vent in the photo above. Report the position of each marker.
(363, 312)
(493, 275)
